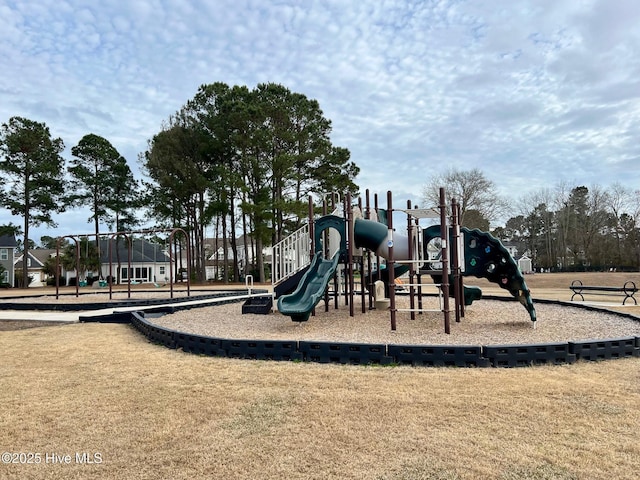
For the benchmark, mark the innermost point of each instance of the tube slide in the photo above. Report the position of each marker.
(310, 290)
(298, 305)
(374, 236)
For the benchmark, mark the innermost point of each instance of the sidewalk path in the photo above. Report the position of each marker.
(74, 316)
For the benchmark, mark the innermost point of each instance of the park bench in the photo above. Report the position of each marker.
(628, 290)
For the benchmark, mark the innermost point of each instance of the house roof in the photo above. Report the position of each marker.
(39, 255)
(43, 254)
(141, 251)
(240, 241)
(8, 241)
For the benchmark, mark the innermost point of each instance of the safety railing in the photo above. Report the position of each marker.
(291, 255)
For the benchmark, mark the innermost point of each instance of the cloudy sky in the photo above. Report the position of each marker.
(530, 92)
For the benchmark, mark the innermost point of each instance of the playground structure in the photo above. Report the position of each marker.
(114, 237)
(326, 250)
(479, 254)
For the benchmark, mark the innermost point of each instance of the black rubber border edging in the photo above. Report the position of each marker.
(557, 353)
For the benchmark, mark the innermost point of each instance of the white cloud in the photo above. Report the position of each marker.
(530, 92)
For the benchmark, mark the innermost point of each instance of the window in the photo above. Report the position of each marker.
(4, 254)
(4, 278)
(162, 269)
(135, 274)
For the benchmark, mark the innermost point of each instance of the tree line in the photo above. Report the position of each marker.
(562, 228)
(578, 227)
(232, 159)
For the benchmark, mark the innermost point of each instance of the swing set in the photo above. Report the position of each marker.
(130, 274)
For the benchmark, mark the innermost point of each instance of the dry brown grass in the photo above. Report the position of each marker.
(555, 286)
(563, 280)
(540, 283)
(152, 412)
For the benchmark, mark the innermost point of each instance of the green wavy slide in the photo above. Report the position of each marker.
(299, 304)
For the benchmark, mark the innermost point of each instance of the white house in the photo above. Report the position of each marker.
(511, 248)
(216, 254)
(524, 264)
(149, 261)
(523, 261)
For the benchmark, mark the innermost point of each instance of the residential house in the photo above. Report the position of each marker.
(35, 265)
(7, 253)
(511, 248)
(215, 249)
(149, 262)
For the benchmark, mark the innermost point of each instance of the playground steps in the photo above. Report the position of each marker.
(258, 305)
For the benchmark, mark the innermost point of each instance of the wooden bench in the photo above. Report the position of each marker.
(628, 290)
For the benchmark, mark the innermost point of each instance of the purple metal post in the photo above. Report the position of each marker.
(455, 259)
(391, 263)
(367, 215)
(445, 260)
(412, 267)
(349, 220)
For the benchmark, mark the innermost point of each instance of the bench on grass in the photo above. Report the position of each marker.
(628, 290)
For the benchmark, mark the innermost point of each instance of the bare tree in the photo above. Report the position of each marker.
(619, 202)
(562, 193)
(471, 189)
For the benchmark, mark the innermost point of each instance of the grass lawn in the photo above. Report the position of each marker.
(151, 412)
